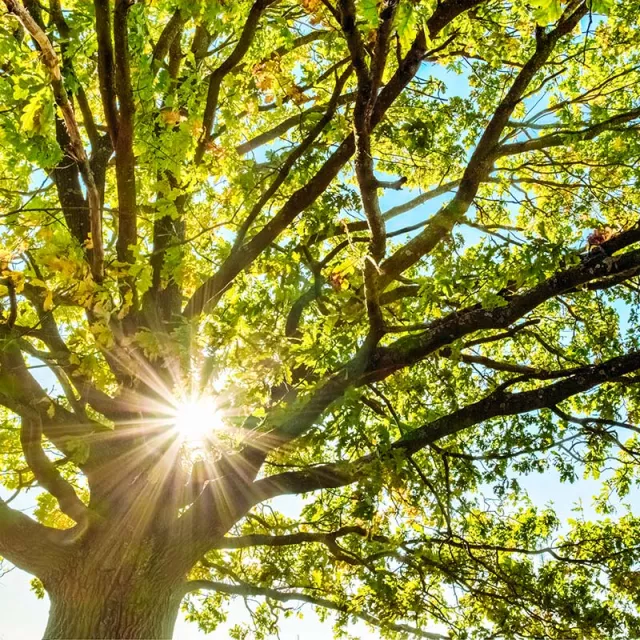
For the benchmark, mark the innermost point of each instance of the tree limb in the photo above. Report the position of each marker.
(496, 404)
(125, 160)
(50, 60)
(30, 546)
(208, 293)
(247, 591)
(216, 78)
(106, 67)
(481, 161)
(46, 474)
(170, 31)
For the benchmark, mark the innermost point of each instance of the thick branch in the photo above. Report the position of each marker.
(106, 67)
(46, 474)
(125, 160)
(50, 60)
(482, 159)
(67, 179)
(216, 78)
(59, 353)
(21, 394)
(57, 17)
(499, 403)
(368, 83)
(29, 545)
(170, 31)
(210, 291)
(408, 350)
(292, 158)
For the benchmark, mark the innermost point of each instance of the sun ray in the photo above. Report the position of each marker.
(196, 419)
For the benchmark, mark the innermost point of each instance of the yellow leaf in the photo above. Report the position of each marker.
(48, 301)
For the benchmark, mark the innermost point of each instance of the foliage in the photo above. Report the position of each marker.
(396, 242)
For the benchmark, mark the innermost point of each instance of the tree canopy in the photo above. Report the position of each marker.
(378, 256)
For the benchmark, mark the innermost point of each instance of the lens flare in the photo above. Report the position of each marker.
(196, 419)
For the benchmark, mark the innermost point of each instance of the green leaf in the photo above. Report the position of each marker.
(79, 450)
(406, 24)
(36, 114)
(602, 7)
(546, 11)
(38, 588)
(369, 11)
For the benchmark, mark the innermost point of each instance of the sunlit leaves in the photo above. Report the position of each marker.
(38, 114)
(447, 536)
(601, 6)
(369, 10)
(406, 24)
(547, 11)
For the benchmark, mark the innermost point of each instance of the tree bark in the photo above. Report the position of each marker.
(105, 599)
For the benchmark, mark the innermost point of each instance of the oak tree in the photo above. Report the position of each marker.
(379, 255)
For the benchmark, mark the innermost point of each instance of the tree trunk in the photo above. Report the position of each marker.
(90, 602)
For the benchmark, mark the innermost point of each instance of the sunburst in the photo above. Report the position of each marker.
(196, 419)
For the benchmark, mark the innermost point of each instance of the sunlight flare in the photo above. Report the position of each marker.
(197, 418)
